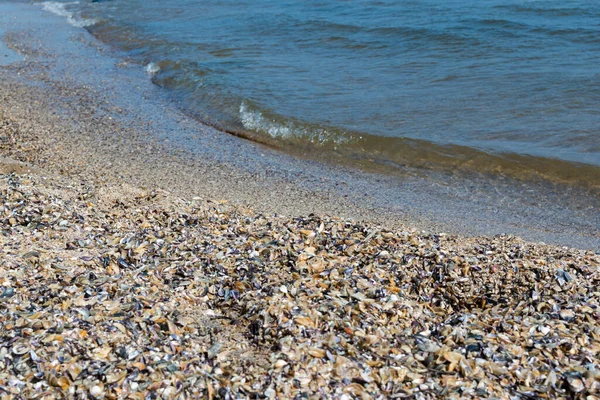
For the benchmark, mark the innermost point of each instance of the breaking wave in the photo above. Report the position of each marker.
(74, 19)
(152, 69)
(277, 127)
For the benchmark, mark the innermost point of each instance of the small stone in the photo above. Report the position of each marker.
(270, 393)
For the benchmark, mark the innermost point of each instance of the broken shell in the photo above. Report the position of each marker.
(575, 384)
(192, 300)
(96, 391)
(20, 348)
(319, 353)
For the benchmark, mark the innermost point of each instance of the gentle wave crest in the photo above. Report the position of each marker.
(254, 121)
(61, 10)
(152, 68)
(284, 128)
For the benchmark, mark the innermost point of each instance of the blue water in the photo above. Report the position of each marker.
(498, 84)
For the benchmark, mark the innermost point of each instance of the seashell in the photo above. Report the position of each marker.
(191, 299)
(315, 352)
(303, 321)
(64, 383)
(575, 384)
(96, 391)
(20, 348)
(74, 370)
(214, 350)
(567, 315)
(427, 345)
(7, 292)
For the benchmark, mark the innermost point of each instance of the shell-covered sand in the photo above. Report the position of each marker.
(121, 293)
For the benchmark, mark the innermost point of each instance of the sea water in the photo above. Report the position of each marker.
(503, 86)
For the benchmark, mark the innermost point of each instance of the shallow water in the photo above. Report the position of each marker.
(498, 86)
(7, 56)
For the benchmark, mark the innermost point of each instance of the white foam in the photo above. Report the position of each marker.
(82, 23)
(56, 8)
(253, 120)
(60, 9)
(152, 69)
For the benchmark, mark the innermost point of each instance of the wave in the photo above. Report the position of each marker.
(72, 18)
(255, 121)
(549, 11)
(152, 69)
(578, 35)
(410, 33)
(382, 153)
(501, 23)
(277, 127)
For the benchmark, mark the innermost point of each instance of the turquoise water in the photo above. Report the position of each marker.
(498, 85)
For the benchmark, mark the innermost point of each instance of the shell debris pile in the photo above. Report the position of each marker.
(149, 296)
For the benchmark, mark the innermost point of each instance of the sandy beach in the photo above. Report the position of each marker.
(143, 254)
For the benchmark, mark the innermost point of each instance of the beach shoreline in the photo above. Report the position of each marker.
(93, 115)
(144, 255)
